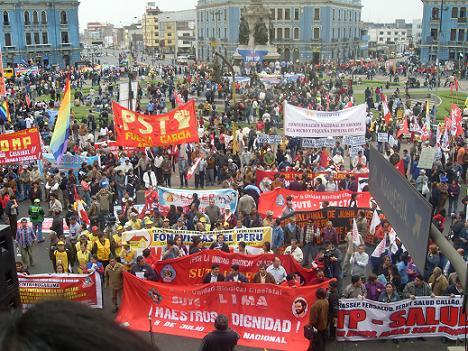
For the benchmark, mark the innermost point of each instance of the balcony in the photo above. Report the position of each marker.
(66, 45)
(461, 20)
(431, 40)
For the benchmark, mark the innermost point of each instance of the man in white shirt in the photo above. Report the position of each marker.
(149, 178)
(359, 159)
(277, 271)
(338, 159)
(295, 251)
(359, 261)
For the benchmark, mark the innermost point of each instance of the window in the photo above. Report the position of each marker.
(169, 42)
(37, 39)
(225, 14)
(219, 32)
(296, 33)
(45, 38)
(395, 39)
(225, 33)
(35, 18)
(453, 35)
(454, 12)
(43, 17)
(435, 13)
(26, 18)
(389, 33)
(185, 42)
(8, 39)
(462, 12)
(279, 33)
(64, 36)
(317, 14)
(201, 16)
(6, 18)
(287, 33)
(380, 39)
(287, 14)
(316, 33)
(63, 17)
(461, 34)
(296, 14)
(28, 39)
(434, 33)
(381, 33)
(333, 14)
(279, 14)
(272, 14)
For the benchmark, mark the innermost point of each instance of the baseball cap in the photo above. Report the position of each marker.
(60, 243)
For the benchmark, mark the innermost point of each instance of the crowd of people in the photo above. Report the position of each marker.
(230, 156)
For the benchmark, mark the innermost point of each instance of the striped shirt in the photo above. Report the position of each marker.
(25, 236)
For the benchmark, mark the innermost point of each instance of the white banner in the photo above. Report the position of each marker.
(422, 317)
(316, 143)
(357, 140)
(180, 197)
(300, 122)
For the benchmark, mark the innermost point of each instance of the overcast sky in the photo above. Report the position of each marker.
(120, 12)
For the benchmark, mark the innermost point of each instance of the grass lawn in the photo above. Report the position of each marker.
(447, 101)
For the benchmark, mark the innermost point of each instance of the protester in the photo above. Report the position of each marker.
(235, 275)
(319, 321)
(222, 338)
(277, 270)
(25, 239)
(114, 279)
(214, 275)
(143, 270)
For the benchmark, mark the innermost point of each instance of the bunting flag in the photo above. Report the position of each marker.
(445, 140)
(404, 130)
(456, 119)
(59, 140)
(386, 111)
(192, 169)
(374, 222)
(5, 111)
(78, 205)
(355, 234)
(426, 129)
(380, 249)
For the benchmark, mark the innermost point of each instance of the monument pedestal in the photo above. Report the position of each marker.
(257, 53)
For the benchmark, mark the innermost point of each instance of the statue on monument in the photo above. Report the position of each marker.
(261, 33)
(244, 31)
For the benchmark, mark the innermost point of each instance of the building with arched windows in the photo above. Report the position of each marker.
(312, 30)
(39, 32)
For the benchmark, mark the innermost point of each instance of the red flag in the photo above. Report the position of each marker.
(401, 167)
(404, 129)
(28, 100)
(456, 115)
(80, 208)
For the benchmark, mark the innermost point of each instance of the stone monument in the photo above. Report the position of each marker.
(254, 34)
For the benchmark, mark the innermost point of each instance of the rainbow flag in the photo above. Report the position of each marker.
(59, 141)
(5, 111)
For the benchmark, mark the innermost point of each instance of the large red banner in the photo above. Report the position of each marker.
(262, 176)
(84, 288)
(21, 146)
(178, 126)
(189, 270)
(264, 315)
(305, 201)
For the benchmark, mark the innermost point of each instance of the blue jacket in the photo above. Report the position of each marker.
(277, 237)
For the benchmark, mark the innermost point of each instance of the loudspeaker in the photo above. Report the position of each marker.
(9, 287)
